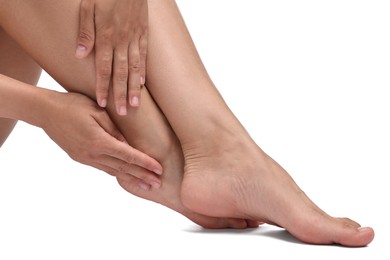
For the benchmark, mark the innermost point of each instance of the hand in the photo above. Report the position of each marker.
(118, 29)
(87, 134)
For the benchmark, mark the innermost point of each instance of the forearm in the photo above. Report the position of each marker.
(21, 101)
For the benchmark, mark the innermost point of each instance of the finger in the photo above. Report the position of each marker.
(120, 167)
(120, 77)
(103, 63)
(86, 37)
(130, 155)
(143, 48)
(129, 180)
(134, 83)
(110, 170)
(130, 184)
(126, 156)
(105, 122)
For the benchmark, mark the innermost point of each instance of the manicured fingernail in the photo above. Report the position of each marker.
(155, 184)
(144, 186)
(158, 171)
(142, 81)
(134, 101)
(103, 103)
(80, 51)
(122, 111)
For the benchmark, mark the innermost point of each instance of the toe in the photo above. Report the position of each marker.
(353, 236)
(329, 230)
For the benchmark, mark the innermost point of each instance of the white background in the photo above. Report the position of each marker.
(309, 81)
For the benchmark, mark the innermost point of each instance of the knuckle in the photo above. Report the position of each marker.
(104, 72)
(105, 57)
(124, 167)
(121, 59)
(121, 70)
(121, 74)
(136, 88)
(86, 35)
(130, 158)
(135, 65)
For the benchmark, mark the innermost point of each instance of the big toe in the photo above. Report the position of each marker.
(354, 237)
(328, 230)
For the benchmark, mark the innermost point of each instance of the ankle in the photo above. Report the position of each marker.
(218, 141)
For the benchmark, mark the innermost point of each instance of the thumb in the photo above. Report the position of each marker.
(126, 152)
(109, 127)
(86, 37)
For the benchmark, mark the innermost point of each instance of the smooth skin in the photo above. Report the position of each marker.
(226, 175)
(15, 63)
(96, 141)
(117, 30)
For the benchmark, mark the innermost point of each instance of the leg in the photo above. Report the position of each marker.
(17, 64)
(226, 173)
(144, 128)
(184, 89)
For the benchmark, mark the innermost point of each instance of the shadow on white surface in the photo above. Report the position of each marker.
(264, 230)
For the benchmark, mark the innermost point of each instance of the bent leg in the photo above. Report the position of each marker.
(226, 173)
(144, 128)
(15, 63)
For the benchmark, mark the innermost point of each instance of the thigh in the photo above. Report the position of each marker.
(15, 63)
(47, 30)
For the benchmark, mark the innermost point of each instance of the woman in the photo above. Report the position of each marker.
(228, 180)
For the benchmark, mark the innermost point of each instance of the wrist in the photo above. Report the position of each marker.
(42, 105)
(21, 101)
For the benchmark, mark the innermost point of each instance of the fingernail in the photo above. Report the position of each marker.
(122, 111)
(103, 103)
(134, 101)
(142, 81)
(80, 51)
(155, 184)
(158, 171)
(144, 186)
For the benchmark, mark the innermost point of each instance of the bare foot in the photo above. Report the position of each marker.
(150, 132)
(230, 176)
(169, 195)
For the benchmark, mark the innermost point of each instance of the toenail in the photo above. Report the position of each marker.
(362, 229)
